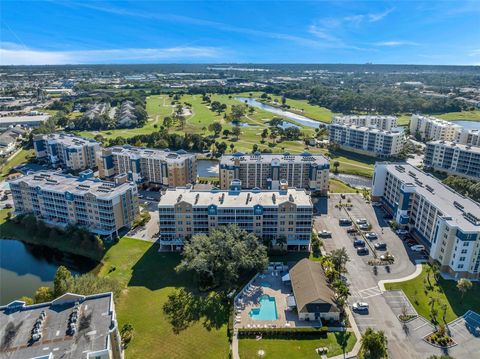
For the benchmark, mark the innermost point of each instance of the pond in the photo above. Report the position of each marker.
(305, 121)
(207, 168)
(25, 267)
(470, 125)
(353, 180)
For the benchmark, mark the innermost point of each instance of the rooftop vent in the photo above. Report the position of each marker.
(429, 188)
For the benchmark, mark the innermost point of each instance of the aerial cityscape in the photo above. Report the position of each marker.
(240, 180)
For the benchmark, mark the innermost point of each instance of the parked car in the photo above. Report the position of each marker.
(361, 221)
(364, 227)
(380, 246)
(417, 248)
(386, 257)
(8, 205)
(376, 204)
(351, 230)
(324, 233)
(344, 222)
(362, 251)
(371, 235)
(358, 243)
(411, 243)
(360, 307)
(401, 232)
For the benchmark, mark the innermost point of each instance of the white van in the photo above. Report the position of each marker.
(417, 248)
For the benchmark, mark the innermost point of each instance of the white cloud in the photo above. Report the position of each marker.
(378, 16)
(475, 52)
(396, 43)
(13, 54)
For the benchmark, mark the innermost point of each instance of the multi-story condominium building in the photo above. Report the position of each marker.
(266, 171)
(470, 137)
(270, 214)
(429, 128)
(453, 158)
(161, 167)
(68, 151)
(101, 207)
(71, 326)
(381, 122)
(370, 141)
(447, 223)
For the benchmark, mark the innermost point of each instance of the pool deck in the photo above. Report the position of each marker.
(249, 299)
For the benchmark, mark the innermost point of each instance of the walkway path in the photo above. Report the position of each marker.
(415, 274)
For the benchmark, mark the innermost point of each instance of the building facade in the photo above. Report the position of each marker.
(381, 122)
(447, 223)
(67, 151)
(71, 326)
(269, 214)
(429, 128)
(161, 167)
(453, 158)
(266, 171)
(103, 208)
(370, 141)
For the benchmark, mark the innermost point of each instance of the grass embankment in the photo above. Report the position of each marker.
(149, 278)
(337, 343)
(461, 116)
(352, 163)
(59, 241)
(419, 291)
(23, 156)
(337, 186)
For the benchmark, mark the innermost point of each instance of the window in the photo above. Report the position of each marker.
(462, 259)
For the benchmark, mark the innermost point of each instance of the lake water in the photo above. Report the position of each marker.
(471, 125)
(24, 268)
(305, 121)
(207, 168)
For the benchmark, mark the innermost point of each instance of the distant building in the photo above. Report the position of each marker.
(10, 139)
(103, 208)
(162, 167)
(269, 214)
(453, 158)
(26, 120)
(65, 150)
(266, 171)
(370, 141)
(445, 222)
(381, 122)
(69, 327)
(429, 128)
(313, 297)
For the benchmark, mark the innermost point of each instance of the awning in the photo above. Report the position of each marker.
(286, 277)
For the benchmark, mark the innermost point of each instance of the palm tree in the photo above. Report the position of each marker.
(336, 164)
(339, 259)
(428, 270)
(435, 271)
(463, 285)
(374, 344)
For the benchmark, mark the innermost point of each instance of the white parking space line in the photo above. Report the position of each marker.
(421, 326)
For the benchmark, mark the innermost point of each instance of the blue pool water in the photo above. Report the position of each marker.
(267, 309)
(265, 284)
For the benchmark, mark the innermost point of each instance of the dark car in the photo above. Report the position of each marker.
(351, 230)
(344, 222)
(411, 243)
(362, 251)
(358, 243)
(388, 216)
(380, 246)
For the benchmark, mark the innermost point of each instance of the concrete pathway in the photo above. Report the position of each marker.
(415, 274)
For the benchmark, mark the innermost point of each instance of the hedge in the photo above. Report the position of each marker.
(282, 332)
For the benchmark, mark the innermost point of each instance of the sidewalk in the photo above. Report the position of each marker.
(356, 348)
(418, 270)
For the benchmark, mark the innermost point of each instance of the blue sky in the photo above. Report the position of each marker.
(392, 32)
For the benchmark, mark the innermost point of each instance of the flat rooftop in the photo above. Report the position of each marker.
(466, 148)
(439, 121)
(60, 183)
(8, 120)
(363, 117)
(460, 209)
(67, 139)
(229, 198)
(96, 314)
(258, 157)
(371, 129)
(165, 155)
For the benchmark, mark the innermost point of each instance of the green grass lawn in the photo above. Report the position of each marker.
(149, 277)
(461, 116)
(295, 348)
(21, 157)
(403, 120)
(352, 163)
(444, 290)
(336, 186)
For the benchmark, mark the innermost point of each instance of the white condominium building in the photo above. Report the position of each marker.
(381, 122)
(447, 223)
(269, 214)
(370, 141)
(429, 128)
(162, 167)
(65, 150)
(266, 171)
(453, 158)
(469, 137)
(102, 208)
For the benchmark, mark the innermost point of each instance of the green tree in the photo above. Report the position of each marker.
(126, 333)
(238, 111)
(27, 300)
(339, 258)
(336, 164)
(236, 131)
(62, 281)
(216, 128)
(226, 133)
(374, 344)
(282, 242)
(43, 294)
(464, 285)
(219, 258)
(264, 134)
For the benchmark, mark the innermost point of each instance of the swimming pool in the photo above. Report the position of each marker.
(266, 284)
(267, 309)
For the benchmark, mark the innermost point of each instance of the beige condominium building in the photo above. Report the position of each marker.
(445, 222)
(266, 171)
(381, 122)
(103, 208)
(370, 141)
(152, 166)
(270, 214)
(67, 151)
(453, 158)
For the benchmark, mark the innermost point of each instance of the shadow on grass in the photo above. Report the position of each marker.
(352, 156)
(342, 339)
(460, 306)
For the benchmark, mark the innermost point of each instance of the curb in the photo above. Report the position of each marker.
(418, 271)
